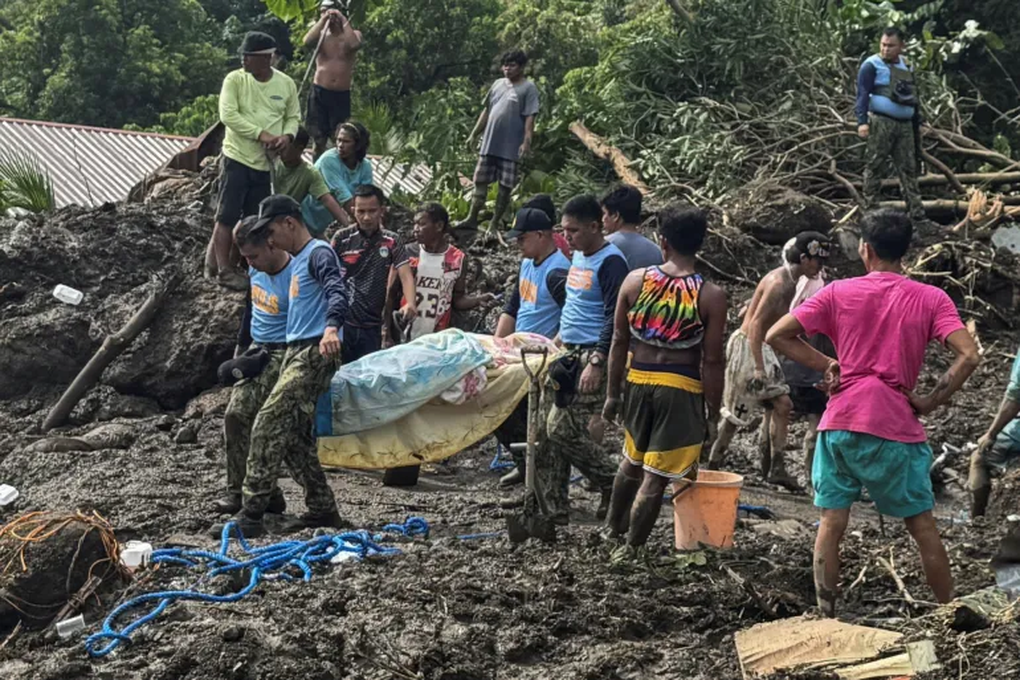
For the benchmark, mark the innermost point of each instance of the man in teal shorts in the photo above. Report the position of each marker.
(870, 436)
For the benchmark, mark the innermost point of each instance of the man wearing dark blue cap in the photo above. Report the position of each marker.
(538, 298)
(317, 305)
(534, 307)
(259, 109)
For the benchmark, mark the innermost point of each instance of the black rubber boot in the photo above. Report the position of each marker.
(230, 503)
(512, 478)
(251, 527)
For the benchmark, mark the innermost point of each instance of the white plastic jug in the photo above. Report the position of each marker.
(69, 627)
(135, 554)
(8, 494)
(68, 294)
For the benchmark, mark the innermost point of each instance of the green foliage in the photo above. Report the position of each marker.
(557, 35)
(289, 10)
(192, 120)
(308, 10)
(23, 183)
(415, 45)
(106, 62)
(386, 137)
(727, 100)
(685, 560)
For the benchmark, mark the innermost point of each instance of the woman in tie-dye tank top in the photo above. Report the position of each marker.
(674, 322)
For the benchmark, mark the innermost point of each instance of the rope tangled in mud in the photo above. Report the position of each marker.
(37, 527)
(266, 563)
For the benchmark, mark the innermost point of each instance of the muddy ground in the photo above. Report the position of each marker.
(446, 608)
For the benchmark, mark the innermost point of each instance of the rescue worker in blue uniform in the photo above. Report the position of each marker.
(576, 388)
(317, 304)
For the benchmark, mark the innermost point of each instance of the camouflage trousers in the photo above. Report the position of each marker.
(282, 433)
(892, 139)
(567, 442)
(246, 398)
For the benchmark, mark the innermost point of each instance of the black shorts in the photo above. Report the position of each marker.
(241, 190)
(808, 400)
(326, 110)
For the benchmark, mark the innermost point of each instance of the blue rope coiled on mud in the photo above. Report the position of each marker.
(266, 563)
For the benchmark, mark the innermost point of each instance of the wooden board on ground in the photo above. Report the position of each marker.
(851, 652)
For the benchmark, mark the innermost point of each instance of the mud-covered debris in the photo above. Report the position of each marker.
(775, 214)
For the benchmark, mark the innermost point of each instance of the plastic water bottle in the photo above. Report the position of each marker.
(1008, 579)
(135, 554)
(69, 627)
(68, 294)
(8, 494)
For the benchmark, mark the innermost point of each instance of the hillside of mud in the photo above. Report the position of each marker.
(144, 450)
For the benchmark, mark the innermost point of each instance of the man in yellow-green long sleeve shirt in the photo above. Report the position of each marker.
(259, 108)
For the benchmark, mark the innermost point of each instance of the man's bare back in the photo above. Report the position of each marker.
(771, 301)
(338, 53)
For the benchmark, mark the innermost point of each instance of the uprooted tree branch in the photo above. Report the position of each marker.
(722, 102)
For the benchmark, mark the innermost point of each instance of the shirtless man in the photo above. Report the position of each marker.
(329, 102)
(753, 372)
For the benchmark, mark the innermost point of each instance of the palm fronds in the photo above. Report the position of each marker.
(23, 183)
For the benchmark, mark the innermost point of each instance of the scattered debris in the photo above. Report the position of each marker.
(830, 646)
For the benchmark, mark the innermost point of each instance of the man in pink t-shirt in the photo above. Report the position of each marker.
(870, 436)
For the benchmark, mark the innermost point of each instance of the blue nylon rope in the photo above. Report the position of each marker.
(266, 563)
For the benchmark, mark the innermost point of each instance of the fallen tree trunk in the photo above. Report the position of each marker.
(946, 205)
(608, 152)
(970, 178)
(946, 171)
(112, 347)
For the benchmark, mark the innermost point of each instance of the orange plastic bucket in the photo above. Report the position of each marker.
(707, 513)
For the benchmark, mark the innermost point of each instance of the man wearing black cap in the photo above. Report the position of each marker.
(317, 302)
(261, 347)
(538, 298)
(534, 307)
(259, 108)
(754, 375)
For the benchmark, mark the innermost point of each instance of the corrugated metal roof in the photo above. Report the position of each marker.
(390, 176)
(89, 165)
